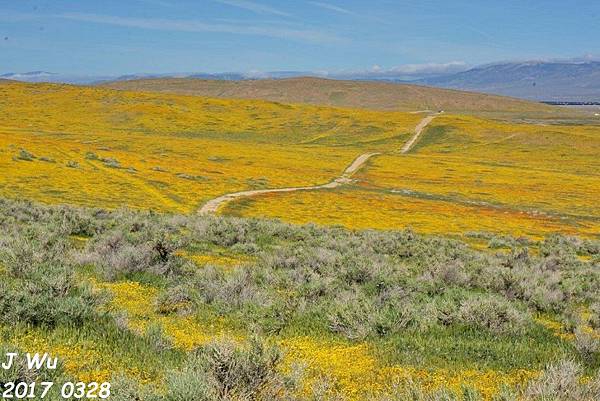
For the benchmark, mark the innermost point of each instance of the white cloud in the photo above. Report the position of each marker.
(280, 32)
(332, 7)
(430, 68)
(405, 71)
(254, 7)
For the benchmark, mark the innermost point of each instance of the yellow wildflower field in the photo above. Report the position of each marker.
(105, 148)
(362, 209)
(464, 174)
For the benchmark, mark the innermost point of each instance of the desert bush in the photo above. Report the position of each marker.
(111, 162)
(188, 384)
(47, 301)
(135, 247)
(124, 388)
(493, 313)
(595, 315)
(223, 370)
(352, 316)
(41, 289)
(563, 382)
(175, 299)
(224, 232)
(497, 242)
(586, 344)
(91, 156)
(230, 292)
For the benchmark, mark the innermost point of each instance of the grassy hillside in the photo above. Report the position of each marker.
(198, 308)
(464, 174)
(354, 94)
(107, 148)
(100, 147)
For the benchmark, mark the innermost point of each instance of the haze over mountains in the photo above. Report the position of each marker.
(546, 81)
(572, 81)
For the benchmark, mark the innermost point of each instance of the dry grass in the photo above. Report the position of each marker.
(367, 95)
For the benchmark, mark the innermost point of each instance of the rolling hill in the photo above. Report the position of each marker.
(173, 152)
(354, 94)
(106, 148)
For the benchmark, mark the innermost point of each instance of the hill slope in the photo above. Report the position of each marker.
(107, 148)
(355, 94)
(463, 174)
(565, 81)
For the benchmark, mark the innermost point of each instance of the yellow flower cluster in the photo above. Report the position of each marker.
(221, 260)
(559, 330)
(354, 372)
(105, 148)
(81, 359)
(138, 303)
(488, 383)
(466, 174)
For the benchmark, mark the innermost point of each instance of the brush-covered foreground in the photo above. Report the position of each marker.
(171, 307)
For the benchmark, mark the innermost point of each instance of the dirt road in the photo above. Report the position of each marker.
(418, 130)
(213, 205)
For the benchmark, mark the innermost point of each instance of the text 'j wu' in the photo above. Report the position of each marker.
(35, 361)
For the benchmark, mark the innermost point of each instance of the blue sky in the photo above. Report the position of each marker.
(130, 36)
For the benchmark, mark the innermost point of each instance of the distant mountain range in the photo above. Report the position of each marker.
(43, 76)
(546, 81)
(569, 81)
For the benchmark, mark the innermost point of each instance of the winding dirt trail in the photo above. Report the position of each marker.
(213, 205)
(418, 130)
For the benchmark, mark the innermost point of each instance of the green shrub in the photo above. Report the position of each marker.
(91, 156)
(223, 370)
(25, 155)
(586, 344)
(563, 382)
(41, 289)
(493, 313)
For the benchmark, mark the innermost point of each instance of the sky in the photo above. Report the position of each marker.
(114, 37)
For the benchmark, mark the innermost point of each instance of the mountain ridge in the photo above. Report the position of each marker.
(576, 81)
(338, 93)
(537, 80)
